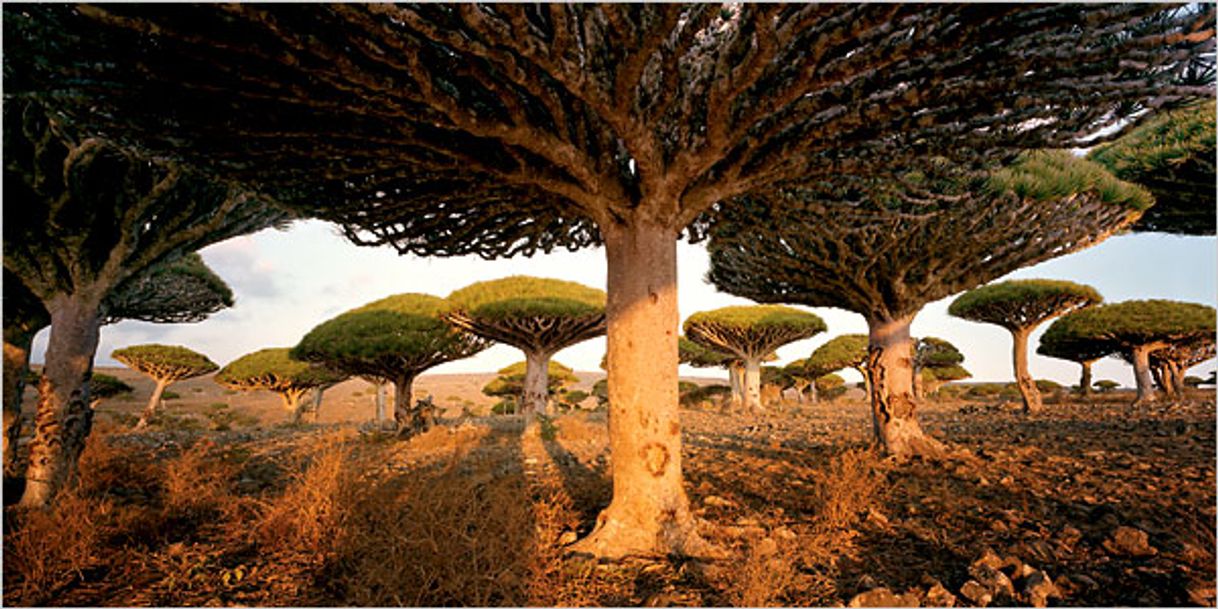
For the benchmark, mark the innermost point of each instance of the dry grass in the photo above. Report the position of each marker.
(847, 488)
(48, 549)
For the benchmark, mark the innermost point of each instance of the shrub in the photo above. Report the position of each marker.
(1105, 385)
(171, 395)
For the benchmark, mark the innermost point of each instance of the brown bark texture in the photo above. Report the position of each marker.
(536, 395)
(893, 404)
(1141, 371)
(402, 408)
(16, 366)
(1027, 385)
(154, 402)
(1084, 381)
(752, 386)
(64, 418)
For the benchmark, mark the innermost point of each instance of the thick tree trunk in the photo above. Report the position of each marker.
(536, 394)
(752, 386)
(1177, 377)
(649, 513)
(1027, 385)
(381, 395)
(890, 379)
(735, 377)
(16, 365)
(154, 403)
(813, 395)
(64, 419)
(402, 408)
(291, 403)
(1084, 382)
(317, 393)
(1141, 372)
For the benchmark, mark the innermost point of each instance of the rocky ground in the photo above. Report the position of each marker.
(1087, 504)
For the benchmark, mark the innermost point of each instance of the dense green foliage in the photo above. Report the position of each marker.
(1172, 155)
(181, 290)
(845, 351)
(107, 386)
(1062, 342)
(169, 362)
(830, 386)
(400, 334)
(931, 352)
(1054, 174)
(759, 317)
(804, 370)
(1105, 385)
(510, 382)
(1022, 303)
(522, 296)
(274, 369)
(1135, 322)
(945, 373)
(700, 356)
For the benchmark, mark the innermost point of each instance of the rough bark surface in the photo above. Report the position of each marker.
(154, 402)
(381, 395)
(292, 404)
(64, 418)
(317, 396)
(536, 396)
(649, 513)
(401, 402)
(1141, 371)
(893, 404)
(735, 377)
(752, 386)
(16, 366)
(1027, 385)
(1084, 382)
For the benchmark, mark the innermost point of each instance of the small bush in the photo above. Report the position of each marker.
(171, 395)
(1105, 385)
(49, 549)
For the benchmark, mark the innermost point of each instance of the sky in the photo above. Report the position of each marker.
(286, 282)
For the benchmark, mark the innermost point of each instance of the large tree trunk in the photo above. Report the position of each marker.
(317, 393)
(890, 379)
(64, 419)
(401, 402)
(536, 394)
(16, 365)
(1027, 385)
(381, 395)
(649, 513)
(1084, 382)
(735, 377)
(752, 386)
(1177, 377)
(154, 402)
(291, 403)
(1141, 372)
(813, 394)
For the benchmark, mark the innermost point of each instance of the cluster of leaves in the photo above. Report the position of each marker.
(844, 351)
(106, 386)
(751, 331)
(1136, 322)
(510, 382)
(274, 369)
(1048, 175)
(522, 296)
(1020, 303)
(700, 356)
(167, 362)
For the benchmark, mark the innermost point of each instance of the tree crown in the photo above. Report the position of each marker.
(805, 370)
(751, 331)
(107, 386)
(1048, 175)
(182, 290)
(522, 296)
(946, 373)
(931, 352)
(404, 333)
(165, 362)
(844, 351)
(1022, 303)
(274, 369)
(700, 356)
(1139, 322)
(1062, 341)
(510, 381)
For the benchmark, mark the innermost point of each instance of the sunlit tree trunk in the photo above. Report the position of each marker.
(292, 403)
(735, 377)
(1141, 372)
(1027, 385)
(401, 402)
(890, 377)
(813, 394)
(649, 512)
(17, 343)
(1177, 377)
(1084, 382)
(381, 391)
(154, 402)
(536, 395)
(64, 418)
(752, 386)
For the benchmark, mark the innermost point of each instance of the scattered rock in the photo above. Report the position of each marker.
(766, 547)
(1069, 535)
(876, 519)
(995, 581)
(938, 596)
(988, 558)
(883, 597)
(784, 533)
(567, 538)
(1128, 541)
(1037, 587)
(717, 501)
(977, 593)
(867, 582)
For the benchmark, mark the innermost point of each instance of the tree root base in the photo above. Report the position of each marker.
(614, 540)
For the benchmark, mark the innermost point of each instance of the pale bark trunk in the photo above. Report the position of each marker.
(154, 402)
(1177, 377)
(812, 393)
(1027, 385)
(64, 419)
(1084, 383)
(866, 379)
(317, 403)
(752, 386)
(401, 402)
(536, 395)
(381, 395)
(649, 513)
(800, 390)
(890, 379)
(919, 389)
(1141, 373)
(16, 366)
(735, 376)
(291, 403)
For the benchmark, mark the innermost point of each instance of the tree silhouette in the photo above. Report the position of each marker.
(536, 315)
(1020, 305)
(502, 129)
(166, 364)
(275, 370)
(1059, 342)
(396, 338)
(885, 248)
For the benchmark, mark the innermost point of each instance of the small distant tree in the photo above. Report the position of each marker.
(1193, 381)
(830, 386)
(275, 370)
(1106, 386)
(803, 374)
(1172, 155)
(1060, 342)
(844, 351)
(1168, 365)
(536, 315)
(1140, 328)
(103, 386)
(395, 338)
(1020, 306)
(936, 377)
(509, 385)
(166, 364)
(932, 354)
(700, 356)
(751, 333)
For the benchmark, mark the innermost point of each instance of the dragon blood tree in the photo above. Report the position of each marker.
(843, 351)
(396, 338)
(275, 370)
(936, 361)
(883, 248)
(166, 364)
(536, 315)
(700, 356)
(506, 129)
(803, 374)
(182, 290)
(1140, 328)
(509, 385)
(751, 333)
(1020, 305)
(1172, 155)
(1060, 342)
(1168, 365)
(92, 218)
